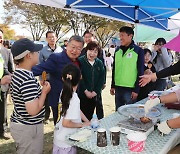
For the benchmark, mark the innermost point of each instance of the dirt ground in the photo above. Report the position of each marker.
(8, 146)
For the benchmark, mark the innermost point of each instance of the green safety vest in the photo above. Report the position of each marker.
(126, 68)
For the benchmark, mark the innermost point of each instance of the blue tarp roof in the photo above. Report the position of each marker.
(153, 13)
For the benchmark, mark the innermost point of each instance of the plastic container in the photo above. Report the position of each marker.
(101, 137)
(94, 122)
(115, 135)
(136, 141)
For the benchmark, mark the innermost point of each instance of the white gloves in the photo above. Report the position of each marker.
(151, 103)
(164, 128)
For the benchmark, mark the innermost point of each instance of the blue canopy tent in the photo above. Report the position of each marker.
(148, 12)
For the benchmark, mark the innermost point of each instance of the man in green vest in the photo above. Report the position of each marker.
(127, 67)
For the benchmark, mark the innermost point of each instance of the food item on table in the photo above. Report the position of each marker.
(141, 107)
(81, 136)
(145, 120)
(44, 76)
(154, 110)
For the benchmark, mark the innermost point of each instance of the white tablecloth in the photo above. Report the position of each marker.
(155, 143)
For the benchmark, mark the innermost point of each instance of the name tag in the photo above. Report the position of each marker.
(129, 55)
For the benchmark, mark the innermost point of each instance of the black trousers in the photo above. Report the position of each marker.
(160, 84)
(88, 105)
(3, 112)
(99, 108)
(55, 113)
(47, 108)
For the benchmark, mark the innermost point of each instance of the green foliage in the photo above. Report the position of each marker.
(107, 31)
(55, 19)
(22, 13)
(104, 29)
(8, 33)
(41, 18)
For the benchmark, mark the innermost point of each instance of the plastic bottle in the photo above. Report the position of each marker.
(94, 122)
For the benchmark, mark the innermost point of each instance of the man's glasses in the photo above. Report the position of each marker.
(73, 47)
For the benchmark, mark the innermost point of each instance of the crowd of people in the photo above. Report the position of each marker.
(76, 76)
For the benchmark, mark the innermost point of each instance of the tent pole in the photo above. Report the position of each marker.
(135, 34)
(136, 22)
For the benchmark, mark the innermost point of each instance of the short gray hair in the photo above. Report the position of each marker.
(77, 38)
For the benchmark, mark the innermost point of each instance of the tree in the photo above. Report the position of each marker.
(20, 12)
(55, 19)
(39, 18)
(9, 34)
(105, 33)
(104, 29)
(37, 27)
(75, 21)
(93, 22)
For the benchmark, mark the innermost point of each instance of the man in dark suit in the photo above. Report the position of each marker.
(54, 65)
(6, 69)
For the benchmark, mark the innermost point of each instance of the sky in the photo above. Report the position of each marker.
(17, 28)
(1, 7)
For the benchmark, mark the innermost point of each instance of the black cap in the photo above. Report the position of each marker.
(23, 46)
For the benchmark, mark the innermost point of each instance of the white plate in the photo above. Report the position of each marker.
(81, 136)
(138, 110)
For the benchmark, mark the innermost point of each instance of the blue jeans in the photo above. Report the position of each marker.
(122, 96)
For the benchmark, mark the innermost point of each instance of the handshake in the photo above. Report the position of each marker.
(162, 127)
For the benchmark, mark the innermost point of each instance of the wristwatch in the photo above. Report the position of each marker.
(159, 99)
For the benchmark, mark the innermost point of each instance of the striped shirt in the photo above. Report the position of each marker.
(25, 88)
